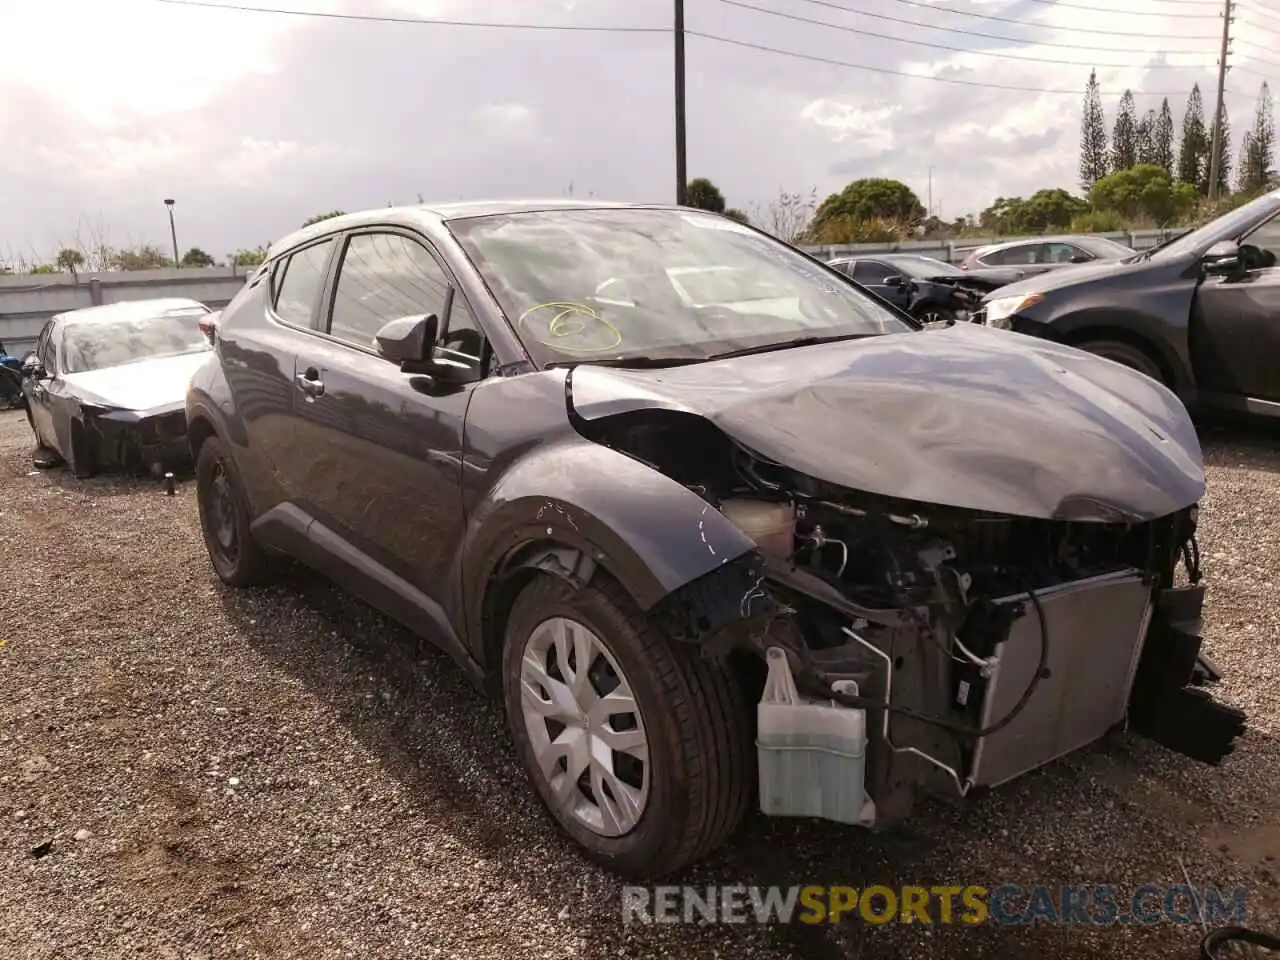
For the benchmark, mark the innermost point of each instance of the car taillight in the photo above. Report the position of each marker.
(209, 327)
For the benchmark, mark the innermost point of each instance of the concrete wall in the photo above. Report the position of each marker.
(953, 251)
(27, 301)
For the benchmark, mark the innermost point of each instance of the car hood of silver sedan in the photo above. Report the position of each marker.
(141, 385)
(966, 416)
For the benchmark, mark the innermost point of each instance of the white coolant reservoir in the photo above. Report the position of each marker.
(771, 525)
(812, 754)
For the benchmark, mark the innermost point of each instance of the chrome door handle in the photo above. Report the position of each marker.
(311, 386)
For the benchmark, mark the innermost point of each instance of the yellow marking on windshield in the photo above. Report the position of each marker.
(567, 322)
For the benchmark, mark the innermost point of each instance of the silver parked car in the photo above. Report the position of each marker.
(1032, 255)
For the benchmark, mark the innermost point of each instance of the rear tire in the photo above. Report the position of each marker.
(690, 791)
(1133, 357)
(224, 518)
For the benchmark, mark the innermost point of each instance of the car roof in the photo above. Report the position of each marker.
(434, 214)
(129, 310)
(1023, 241)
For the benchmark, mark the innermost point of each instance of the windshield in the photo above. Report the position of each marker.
(1105, 248)
(96, 344)
(611, 284)
(922, 268)
(1229, 226)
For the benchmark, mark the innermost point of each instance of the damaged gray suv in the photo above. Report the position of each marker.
(719, 527)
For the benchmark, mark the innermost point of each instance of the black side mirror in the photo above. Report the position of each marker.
(1222, 259)
(894, 281)
(1081, 258)
(408, 339)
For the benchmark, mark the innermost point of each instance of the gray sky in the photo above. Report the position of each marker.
(254, 121)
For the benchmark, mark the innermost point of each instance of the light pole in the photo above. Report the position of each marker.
(173, 233)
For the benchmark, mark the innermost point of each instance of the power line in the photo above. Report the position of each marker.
(1021, 23)
(910, 76)
(940, 46)
(1064, 5)
(1261, 11)
(370, 18)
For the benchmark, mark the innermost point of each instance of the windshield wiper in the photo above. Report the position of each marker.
(630, 363)
(807, 341)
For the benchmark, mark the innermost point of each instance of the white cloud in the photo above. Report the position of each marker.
(255, 122)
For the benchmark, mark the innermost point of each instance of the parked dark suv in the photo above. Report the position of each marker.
(1200, 314)
(705, 512)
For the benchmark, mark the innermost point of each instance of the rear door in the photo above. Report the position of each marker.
(383, 450)
(1235, 328)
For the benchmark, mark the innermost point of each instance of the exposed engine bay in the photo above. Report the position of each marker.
(977, 646)
(133, 441)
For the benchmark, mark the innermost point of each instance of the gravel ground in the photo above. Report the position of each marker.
(283, 773)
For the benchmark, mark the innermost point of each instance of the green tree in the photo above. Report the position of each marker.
(1124, 136)
(871, 198)
(704, 195)
(733, 213)
(1093, 136)
(141, 258)
(1044, 210)
(45, 268)
(1143, 191)
(70, 260)
(1164, 138)
(195, 257)
(250, 257)
(1224, 158)
(1194, 151)
(1258, 148)
(1147, 138)
(322, 216)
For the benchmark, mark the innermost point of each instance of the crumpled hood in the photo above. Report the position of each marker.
(1065, 276)
(142, 385)
(966, 417)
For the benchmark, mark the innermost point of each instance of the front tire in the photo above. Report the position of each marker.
(643, 756)
(932, 313)
(224, 518)
(1133, 357)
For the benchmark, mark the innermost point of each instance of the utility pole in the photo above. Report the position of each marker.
(1215, 149)
(173, 233)
(931, 191)
(682, 174)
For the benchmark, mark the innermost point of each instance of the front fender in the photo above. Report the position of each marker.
(652, 534)
(1168, 342)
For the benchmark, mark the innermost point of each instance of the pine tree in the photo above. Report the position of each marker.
(1147, 146)
(1224, 158)
(1164, 137)
(1195, 148)
(1093, 136)
(1257, 150)
(1124, 136)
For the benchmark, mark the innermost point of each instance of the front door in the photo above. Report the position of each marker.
(872, 274)
(39, 400)
(1235, 332)
(380, 452)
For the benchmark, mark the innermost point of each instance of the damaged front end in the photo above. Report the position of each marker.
(134, 442)
(914, 647)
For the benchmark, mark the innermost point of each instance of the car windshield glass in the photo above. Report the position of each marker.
(1106, 248)
(921, 268)
(95, 344)
(582, 285)
(1226, 227)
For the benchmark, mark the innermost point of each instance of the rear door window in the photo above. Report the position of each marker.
(299, 284)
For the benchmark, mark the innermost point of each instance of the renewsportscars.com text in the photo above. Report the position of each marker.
(1102, 905)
